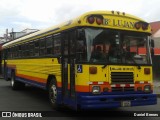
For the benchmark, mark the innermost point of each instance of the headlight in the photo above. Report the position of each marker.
(147, 88)
(96, 89)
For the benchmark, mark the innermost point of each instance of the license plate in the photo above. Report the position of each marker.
(126, 103)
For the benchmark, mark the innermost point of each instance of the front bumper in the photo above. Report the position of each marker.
(114, 101)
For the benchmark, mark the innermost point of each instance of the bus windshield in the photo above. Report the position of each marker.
(115, 47)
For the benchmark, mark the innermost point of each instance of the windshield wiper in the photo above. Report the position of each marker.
(131, 57)
(105, 65)
(128, 54)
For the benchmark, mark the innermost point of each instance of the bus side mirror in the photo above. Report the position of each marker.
(80, 34)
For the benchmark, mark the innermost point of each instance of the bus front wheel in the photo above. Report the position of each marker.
(52, 91)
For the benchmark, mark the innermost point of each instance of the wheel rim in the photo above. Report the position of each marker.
(53, 93)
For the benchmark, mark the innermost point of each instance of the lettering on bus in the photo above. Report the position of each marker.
(124, 69)
(119, 23)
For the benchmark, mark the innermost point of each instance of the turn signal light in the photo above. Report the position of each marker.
(146, 70)
(92, 70)
(142, 25)
(98, 18)
(99, 21)
(137, 25)
(91, 19)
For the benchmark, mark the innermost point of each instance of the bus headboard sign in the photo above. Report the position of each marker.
(79, 69)
(119, 23)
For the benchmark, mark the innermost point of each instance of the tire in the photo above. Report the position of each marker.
(52, 94)
(16, 85)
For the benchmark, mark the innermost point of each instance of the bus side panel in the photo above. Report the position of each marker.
(35, 71)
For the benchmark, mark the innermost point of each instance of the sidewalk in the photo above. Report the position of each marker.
(156, 88)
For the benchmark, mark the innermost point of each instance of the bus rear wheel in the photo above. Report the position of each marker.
(16, 85)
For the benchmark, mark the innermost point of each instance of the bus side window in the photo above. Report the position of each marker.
(42, 47)
(27, 50)
(72, 43)
(23, 50)
(36, 50)
(20, 51)
(49, 47)
(9, 53)
(16, 52)
(65, 37)
(5, 54)
(13, 52)
(57, 45)
(31, 49)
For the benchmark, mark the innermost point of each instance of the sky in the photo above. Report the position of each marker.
(40, 14)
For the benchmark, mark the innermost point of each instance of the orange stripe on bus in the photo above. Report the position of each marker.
(32, 78)
(59, 84)
(82, 88)
(79, 88)
(11, 66)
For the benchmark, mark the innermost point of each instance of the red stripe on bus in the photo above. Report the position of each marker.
(127, 85)
(95, 83)
(118, 85)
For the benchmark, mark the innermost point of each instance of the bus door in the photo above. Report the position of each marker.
(68, 66)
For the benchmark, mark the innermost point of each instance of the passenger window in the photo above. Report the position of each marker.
(42, 47)
(36, 50)
(57, 45)
(49, 46)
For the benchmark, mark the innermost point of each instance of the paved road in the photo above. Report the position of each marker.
(34, 99)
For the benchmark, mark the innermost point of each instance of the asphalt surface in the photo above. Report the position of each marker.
(34, 99)
(156, 88)
(28, 99)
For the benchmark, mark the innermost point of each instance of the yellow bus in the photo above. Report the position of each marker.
(91, 62)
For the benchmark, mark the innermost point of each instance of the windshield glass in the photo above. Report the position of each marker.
(113, 46)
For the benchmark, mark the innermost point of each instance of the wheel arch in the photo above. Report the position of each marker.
(13, 71)
(49, 79)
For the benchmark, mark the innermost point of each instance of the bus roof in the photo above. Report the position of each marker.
(113, 20)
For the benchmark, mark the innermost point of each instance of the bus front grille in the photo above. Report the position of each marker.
(122, 78)
(122, 89)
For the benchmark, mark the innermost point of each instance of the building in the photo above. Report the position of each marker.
(2, 40)
(15, 35)
(155, 26)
